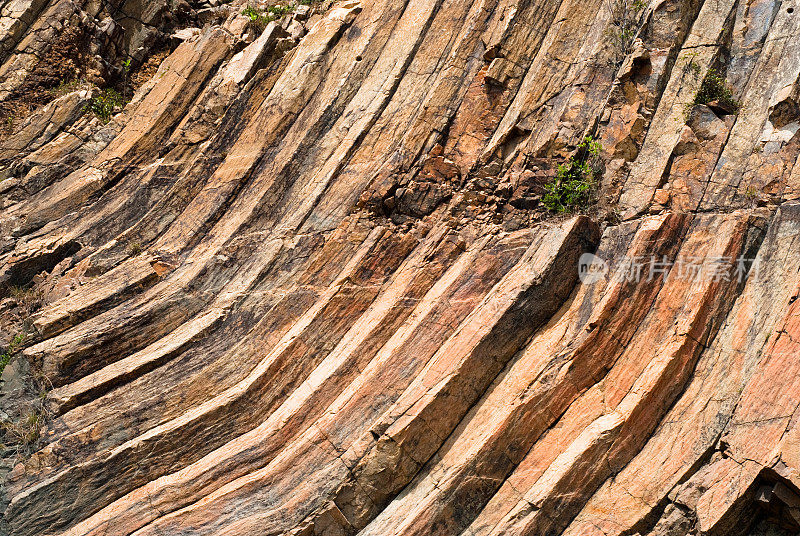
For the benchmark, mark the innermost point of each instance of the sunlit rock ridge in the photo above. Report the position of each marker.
(296, 270)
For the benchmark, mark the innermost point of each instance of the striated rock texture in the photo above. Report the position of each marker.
(304, 282)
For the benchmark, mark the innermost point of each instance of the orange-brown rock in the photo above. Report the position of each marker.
(306, 281)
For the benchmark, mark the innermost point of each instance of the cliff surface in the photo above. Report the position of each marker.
(294, 271)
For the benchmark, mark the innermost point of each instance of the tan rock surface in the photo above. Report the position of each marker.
(304, 282)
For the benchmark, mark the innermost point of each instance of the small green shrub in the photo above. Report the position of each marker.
(134, 248)
(13, 346)
(260, 18)
(126, 76)
(279, 11)
(692, 64)
(715, 88)
(255, 15)
(575, 184)
(103, 104)
(750, 194)
(624, 25)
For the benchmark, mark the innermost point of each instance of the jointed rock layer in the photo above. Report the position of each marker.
(304, 283)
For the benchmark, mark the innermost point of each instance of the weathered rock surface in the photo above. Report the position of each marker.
(302, 283)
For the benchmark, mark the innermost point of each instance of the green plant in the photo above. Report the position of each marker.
(252, 13)
(575, 184)
(126, 72)
(13, 346)
(715, 88)
(65, 87)
(21, 435)
(687, 112)
(134, 248)
(261, 17)
(278, 11)
(22, 428)
(103, 104)
(26, 431)
(624, 24)
(692, 65)
(258, 18)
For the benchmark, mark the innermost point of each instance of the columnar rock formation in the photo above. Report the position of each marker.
(303, 283)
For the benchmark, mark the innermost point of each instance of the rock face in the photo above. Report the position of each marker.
(303, 283)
